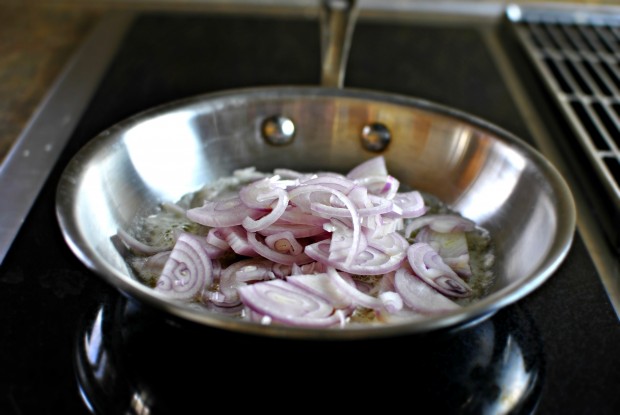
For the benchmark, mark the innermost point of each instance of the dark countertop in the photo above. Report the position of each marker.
(565, 335)
(35, 44)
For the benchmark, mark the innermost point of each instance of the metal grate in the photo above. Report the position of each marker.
(578, 56)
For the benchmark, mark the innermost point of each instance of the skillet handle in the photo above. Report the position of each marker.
(337, 23)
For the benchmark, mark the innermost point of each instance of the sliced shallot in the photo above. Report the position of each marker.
(222, 213)
(298, 239)
(441, 223)
(323, 286)
(421, 297)
(239, 274)
(428, 265)
(187, 270)
(286, 303)
(275, 255)
(451, 246)
(359, 298)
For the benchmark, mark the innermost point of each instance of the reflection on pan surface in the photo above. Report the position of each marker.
(136, 360)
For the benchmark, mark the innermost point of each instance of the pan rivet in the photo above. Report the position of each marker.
(375, 136)
(278, 130)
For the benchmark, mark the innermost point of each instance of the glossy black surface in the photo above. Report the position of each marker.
(564, 338)
(130, 358)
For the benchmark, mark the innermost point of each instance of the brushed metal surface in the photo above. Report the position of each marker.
(483, 172)
(37, 149)
(337, 25)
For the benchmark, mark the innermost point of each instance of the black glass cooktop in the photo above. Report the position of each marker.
(72, 344)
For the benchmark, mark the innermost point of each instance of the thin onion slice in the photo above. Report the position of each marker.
(392, 301)
(421, 297)
(294, 215)
(428, 265)
(441, 223)
(358, 297)
(223, 213)
(237, 275)
(451, 246)
(390, 244)
(277, 209)
(349, 205)
(298, 230)
(187, 270)
(372, 167)
(322, 286)
(237, 238)
(285, 243)
(286, 303)
(410, 205)
(272, 254)
(371, 261)
(260, 194)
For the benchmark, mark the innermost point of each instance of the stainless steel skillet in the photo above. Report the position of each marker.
(481, 171)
